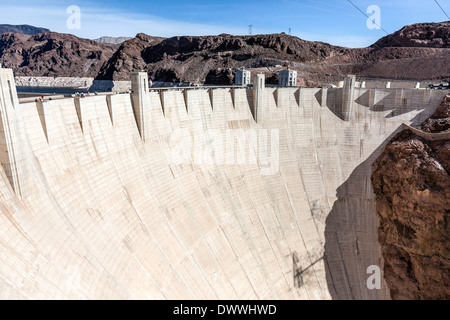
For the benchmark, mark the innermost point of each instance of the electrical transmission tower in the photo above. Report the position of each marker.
(250, 29)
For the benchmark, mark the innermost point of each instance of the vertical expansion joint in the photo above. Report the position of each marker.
(110, 108)
(186, 99)
(77, 102)
(162, 98)
(11, 95)
(298, 96)
(279, 97)
(140, 99)
(348, 97)
(41, 113)
(259, 84)
(323, 97)
(211, 97)
(234, 97)
(11, 155)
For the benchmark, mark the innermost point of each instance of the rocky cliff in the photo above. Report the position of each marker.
(412, 183)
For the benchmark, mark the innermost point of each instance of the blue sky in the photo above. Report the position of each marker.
(333, 21)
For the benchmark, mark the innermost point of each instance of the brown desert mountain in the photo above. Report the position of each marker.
(418, 52)
(24, 29)
(53, 54)
(430, 35)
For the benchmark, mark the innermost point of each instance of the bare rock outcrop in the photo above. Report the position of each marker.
(412, 183)
(53, 54)
(431, 35)
(203, 59)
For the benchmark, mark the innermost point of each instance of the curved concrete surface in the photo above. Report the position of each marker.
(428, 135)
(95, 206)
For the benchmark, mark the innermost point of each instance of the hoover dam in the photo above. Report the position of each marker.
(196, 193)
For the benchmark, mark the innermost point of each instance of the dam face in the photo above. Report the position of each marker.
(181, 194)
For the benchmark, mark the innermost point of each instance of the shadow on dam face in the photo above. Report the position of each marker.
(348, 257)
(399, 102)
(351, 249)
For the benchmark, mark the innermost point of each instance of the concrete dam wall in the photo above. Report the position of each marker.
(181, 194)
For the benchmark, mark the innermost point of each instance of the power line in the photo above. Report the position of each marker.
(442, 9)
(365, 14)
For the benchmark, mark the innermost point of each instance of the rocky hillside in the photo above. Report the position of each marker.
(412, 182)
(128, 58)
(192, 59)
(209, 59)
(53, 54)
(24, 29)
(430, 35)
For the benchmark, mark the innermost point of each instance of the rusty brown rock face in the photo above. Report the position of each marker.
(412, 184)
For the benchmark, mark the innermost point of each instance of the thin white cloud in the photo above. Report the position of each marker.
(96, 22)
